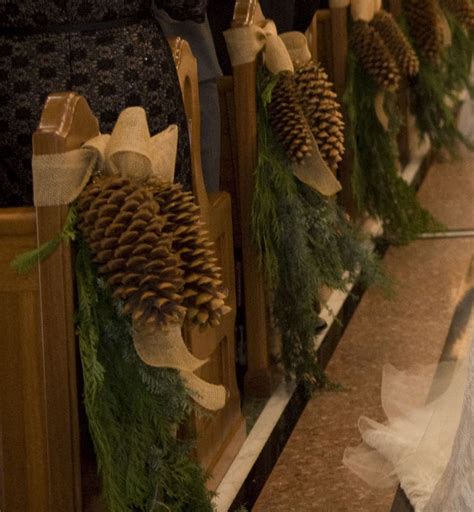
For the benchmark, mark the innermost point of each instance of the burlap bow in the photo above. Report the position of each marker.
(131, 152)
(244, 44)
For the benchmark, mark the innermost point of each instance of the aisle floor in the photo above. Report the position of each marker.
(409, 329)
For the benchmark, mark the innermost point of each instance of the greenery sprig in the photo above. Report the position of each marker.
(26, 261)
(133, 411)
(305, 242)
(376, 184)
(434, 95)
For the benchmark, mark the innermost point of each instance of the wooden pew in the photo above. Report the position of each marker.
(239, 159)
(220, 436)
(332, 46)
(407, 130)
(40, 445)
(40, 441)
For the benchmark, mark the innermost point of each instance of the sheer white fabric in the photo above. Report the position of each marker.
(427, 442)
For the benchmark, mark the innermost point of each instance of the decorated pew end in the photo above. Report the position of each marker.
(327, 42)
(330, 31)
(43, 445)
(239, 159)
(219, 436)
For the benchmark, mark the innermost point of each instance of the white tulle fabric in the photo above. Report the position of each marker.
(427, 442)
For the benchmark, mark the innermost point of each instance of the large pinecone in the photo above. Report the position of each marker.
(463, 10)
(397, 43)
(374, 56)
(425, 26)
(287, 119)
(122, 223)
(203, 294)
(322, 111)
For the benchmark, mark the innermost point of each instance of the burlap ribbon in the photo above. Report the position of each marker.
(363, 10)
(244, 44)
(129, 151)
(59, 178)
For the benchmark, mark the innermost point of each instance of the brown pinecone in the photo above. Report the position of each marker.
(463, 10)
(397, 43)
(287, 118)
(374, 56)
(322, 111)
(425, 26)
(123, 226)
(203, 294)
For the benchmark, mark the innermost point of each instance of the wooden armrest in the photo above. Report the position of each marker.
(246, 13)
(186, 68)
(66, 123)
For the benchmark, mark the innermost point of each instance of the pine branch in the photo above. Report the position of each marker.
(377, 186)
(25, 262)
(304, 242)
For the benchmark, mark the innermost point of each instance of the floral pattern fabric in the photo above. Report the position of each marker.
(113, 69)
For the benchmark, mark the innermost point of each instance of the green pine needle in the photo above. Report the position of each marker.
(25, 262)
(376, 184)
(304, 242)
(133, 410)
(434, 95)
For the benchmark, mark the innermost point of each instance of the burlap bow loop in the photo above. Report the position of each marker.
(245, 43)
(297, 46)
(129, 151)
(363, 10)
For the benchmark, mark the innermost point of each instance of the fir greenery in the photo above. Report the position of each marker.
(435, 93)
(133, 410)
(305, 242)
(377, 186)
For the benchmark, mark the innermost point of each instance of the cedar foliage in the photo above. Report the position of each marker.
(133, 410)
(305, 242)
(376, 184)
(435, 94)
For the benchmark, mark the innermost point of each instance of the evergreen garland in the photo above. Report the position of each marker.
(459, 56)
(305, 242)
(435, 93)
(377, 186)
(133, 410)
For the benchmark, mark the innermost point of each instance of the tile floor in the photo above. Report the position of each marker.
(407, 330)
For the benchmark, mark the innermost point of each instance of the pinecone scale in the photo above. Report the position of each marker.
(287, 119)
(397, 43)
(203, 294)
(425, 26)
(374, 56)
(322, 111)
(123, 225)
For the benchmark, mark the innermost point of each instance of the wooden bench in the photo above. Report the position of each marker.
(220, 436)
(41, 448)
(238, 99)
